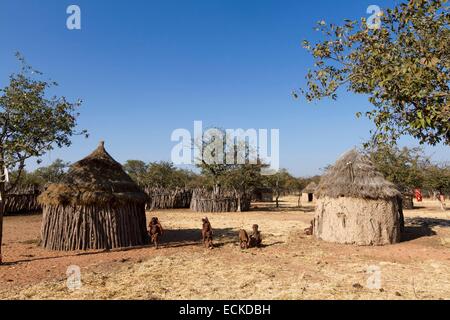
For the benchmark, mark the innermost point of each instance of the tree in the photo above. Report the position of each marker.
(53, 173)
(31, 124)
(137, 170)
(161, 174)
(437, 178)
(228, 163)
(278, 182)
(402, 64)
(26, 178)
(403, 167)
(241, 178)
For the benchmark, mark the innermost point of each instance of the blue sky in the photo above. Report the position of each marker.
(144, 68)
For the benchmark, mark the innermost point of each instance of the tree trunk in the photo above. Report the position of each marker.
(2, 212)
(278, 193)
(441, 200)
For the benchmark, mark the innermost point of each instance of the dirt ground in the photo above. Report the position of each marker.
(291, 265)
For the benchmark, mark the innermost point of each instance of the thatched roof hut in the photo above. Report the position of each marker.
(356, 204)
(308, 192)
(97, 206)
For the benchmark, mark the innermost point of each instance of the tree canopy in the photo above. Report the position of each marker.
(410, 168)
(403, 167)
(31, 123)
(161, 174)
(54, 173)
(402, 66)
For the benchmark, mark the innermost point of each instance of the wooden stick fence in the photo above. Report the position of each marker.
(225, 201)
(160, 198)
(23, 199)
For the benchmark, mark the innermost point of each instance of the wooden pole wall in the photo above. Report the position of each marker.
(68, 228)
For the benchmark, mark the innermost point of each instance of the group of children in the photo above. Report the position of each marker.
(255, 239)
(155, 231)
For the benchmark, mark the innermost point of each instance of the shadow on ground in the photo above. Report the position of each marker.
(412, 233)
(193, 237)
(428, 222)
(419, 227)
(24, 213)
(282, 209)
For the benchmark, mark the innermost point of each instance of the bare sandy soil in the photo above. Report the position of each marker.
(291, 265)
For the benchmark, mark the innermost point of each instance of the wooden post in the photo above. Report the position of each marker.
(2, 208)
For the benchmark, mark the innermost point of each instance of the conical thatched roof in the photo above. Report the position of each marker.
(354, 175)
(95, 180)
(310, 188)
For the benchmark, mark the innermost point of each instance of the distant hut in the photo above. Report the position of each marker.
(262, 195)
(357, 205)
(23, 200)
(97, 206)
(308, 192)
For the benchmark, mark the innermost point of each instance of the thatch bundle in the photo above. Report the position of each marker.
(23, 199)
(160, 198)
(222, 201)
(97, 206)
(356, 204)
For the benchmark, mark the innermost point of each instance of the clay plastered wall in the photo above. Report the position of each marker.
(357, 221)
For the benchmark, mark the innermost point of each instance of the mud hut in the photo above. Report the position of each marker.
(308, 192)
(357, 205)
(97, 206)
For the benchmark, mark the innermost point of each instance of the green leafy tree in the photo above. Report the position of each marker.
(53, 173)
(402, 66)
(279, 182)
(30, 124)
(165, 175)
(242, 178)
(241, 174)
(161, 174)
(137, 170)
(437, 178)
(403, 167)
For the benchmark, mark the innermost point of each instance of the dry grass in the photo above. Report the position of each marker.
(291, 266)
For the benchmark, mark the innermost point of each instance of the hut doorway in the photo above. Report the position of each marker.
(308, 192)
